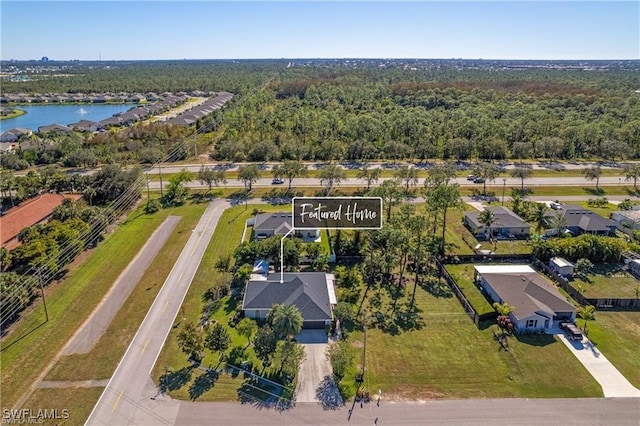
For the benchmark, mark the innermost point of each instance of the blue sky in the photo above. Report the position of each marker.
(114, 30)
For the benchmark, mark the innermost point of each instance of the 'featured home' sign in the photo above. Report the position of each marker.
(337, 212)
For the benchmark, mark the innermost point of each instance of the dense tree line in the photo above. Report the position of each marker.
(151, 76)
(328, 115)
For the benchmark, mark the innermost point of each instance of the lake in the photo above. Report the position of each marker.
(42, 115)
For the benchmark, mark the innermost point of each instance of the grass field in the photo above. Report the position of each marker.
(617, 336)
(448, 357)
(609, 280)
(463, 274)
(100, 362)
(78, 401)
(34, 342)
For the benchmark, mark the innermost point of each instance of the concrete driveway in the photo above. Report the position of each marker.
(613, 383)
(315, 383)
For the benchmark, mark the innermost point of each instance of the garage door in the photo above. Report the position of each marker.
(313, 324)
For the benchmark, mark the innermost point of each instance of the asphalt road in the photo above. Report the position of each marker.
(490, 412)
(131, 384)
(495, 186)
(87, 336)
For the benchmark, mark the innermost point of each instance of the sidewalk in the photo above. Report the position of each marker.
(613, 383)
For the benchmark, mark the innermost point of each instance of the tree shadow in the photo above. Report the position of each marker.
(436, 288)
(202, 384)
(328, 394)
(536, 339)
(594, 191)
(175, 379)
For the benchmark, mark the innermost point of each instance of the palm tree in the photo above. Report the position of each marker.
(558, 222)
(586, 313)
(538, 216)
(487, 217)
(286, 320)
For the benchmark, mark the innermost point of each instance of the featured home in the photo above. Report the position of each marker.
(313, 293)
(266, 225)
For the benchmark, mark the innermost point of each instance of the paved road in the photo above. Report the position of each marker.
(131, 383)
(168, 168)
(353, 182)
(89, 334)
(490, 412)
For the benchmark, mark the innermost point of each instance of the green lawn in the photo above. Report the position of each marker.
(100, 363)
(34, 343)
(448, 357)
(463, 274)
(609, 280)
(79, 402)
(617, 335)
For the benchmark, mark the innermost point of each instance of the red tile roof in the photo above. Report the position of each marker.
(29, 213)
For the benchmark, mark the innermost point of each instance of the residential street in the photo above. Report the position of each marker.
(131, 383)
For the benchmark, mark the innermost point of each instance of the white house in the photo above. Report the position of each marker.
(266, 225)
(538, 305)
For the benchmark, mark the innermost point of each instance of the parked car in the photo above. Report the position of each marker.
(277, 181)
(478, 180)
(555, 205)
(572, 331)
(471, 177)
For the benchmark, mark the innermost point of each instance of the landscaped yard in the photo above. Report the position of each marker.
(608, 280)
(463, 274)
(448, 357)
(617, 336)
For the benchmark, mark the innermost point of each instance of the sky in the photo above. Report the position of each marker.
(114, 30)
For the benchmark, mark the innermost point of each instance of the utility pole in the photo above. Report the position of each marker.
(504, 185)
(160, 171)
(44, 300)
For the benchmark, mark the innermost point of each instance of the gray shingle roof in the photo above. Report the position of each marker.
(585, 219)
(279, 222)
(504, 218)
(528, 293)
(305, 290)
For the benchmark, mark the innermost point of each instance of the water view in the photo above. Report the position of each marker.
(42, 115)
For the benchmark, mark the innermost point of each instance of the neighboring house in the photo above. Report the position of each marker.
(266, 225)
(561, 266)
(627, 219)
(538, 305)
(8, 146)
(31, 212)
(312, 293)
(14, 134)
(54, 128)
(634, 267)
(581, 221)
(86, 126)
(507, 224)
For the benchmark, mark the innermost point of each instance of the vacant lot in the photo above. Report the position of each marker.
(448, 357)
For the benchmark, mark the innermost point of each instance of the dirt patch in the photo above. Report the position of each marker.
(409, 393)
